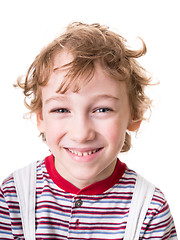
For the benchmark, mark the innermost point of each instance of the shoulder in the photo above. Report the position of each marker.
(8, 185)
(131, 177)
(158, 220)
(159, 206)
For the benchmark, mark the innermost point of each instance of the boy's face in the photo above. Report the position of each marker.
(86, 130)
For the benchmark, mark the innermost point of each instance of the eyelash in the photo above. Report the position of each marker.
(60, 110)
(99, 110)
(103, 110)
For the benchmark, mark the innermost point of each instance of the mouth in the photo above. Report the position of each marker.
(83, 153)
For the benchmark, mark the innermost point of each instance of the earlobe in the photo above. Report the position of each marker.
(134, 125)
(40, 122)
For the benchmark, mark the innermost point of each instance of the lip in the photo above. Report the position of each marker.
(83, 154)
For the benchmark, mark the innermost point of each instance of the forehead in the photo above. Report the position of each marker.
(62, 58)
(100, 82)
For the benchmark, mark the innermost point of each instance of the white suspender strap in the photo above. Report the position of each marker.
(25, 182)
(141, 200)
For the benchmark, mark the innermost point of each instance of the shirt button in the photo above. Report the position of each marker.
(78, 203)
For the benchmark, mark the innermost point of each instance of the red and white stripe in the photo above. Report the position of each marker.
(98, 211)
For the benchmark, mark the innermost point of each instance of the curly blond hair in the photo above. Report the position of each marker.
(89, 43)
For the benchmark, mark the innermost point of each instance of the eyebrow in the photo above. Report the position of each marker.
(106, 96)
(56, 98)
(96, 98)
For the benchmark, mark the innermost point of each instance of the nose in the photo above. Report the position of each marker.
(82, 129)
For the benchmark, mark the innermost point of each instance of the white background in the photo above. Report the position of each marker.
(26, 26)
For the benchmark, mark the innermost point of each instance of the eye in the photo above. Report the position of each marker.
(60, 110)
(103, 110)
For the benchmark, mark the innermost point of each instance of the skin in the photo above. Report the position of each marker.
(85, 131)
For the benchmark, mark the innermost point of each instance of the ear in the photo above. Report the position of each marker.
(134, 125)
(40, 122)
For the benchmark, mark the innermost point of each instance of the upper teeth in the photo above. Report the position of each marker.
(80, 154)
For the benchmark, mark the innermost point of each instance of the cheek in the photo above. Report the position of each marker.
(115, 133)
(53, 133)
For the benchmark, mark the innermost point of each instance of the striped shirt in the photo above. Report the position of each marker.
(99, 211)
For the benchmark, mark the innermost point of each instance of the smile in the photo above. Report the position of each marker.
(83, 154)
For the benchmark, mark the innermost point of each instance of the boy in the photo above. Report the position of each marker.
(87, 91)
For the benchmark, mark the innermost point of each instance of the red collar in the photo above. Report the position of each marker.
(93, 189)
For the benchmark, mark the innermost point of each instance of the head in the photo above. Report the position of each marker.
(87, 91)
(89, 44)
